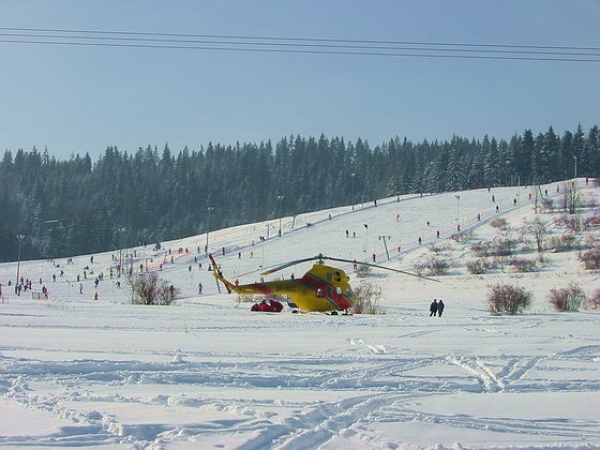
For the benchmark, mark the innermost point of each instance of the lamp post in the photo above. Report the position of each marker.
(366, 239)
(20, 238)
(352, 192)
(269, 226)
(384, 239)
(122, 231)
(280, 198)
(209, 209)
(457, 211)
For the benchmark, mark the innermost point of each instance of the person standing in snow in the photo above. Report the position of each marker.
(440, 308)
(433, 307)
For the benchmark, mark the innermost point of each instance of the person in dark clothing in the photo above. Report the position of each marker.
(433, 308)
(440, 308)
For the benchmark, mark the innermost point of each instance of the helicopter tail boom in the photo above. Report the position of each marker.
(219, 276)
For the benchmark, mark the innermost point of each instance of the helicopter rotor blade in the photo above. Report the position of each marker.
(380, 267)
(288, 264)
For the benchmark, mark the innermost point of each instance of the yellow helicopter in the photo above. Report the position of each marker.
(322, 289)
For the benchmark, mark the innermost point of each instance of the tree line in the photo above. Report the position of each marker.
(76, 206)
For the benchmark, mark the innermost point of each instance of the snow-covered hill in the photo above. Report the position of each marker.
(207, 373)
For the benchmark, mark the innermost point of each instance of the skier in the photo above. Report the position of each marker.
(440, 308)
(433, 308)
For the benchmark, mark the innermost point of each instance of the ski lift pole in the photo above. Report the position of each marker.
(385, 239)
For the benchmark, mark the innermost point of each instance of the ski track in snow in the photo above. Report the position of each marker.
(374, 389)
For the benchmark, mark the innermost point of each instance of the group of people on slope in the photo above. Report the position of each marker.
(436, 308)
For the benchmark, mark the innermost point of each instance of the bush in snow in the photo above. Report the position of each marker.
(501, 223)
(591, 259)
(592, 302)
(538, 230)
(477, 266)
(564, 243)
(592, 221)
(149, 289)
(548, 204)
(523, 265)
(571, 198)
(570, 222)
(367, 299)
(508, 299)
(480, 266)
(433, 266)
(439, 248)
(567, 299)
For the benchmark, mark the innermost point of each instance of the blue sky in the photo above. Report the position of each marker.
(78, 99)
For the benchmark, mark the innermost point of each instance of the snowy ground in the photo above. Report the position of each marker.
(207, 373)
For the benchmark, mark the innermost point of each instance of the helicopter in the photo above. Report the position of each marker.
(322, 289)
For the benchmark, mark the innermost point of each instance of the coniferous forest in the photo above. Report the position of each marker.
(64, 208)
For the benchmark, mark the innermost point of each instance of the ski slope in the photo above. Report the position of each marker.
(206, 373)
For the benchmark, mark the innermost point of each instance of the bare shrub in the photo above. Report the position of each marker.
(567, 299)
(497, 247)
(591, 259)
(523, 265)
(593, 302)
(482, 250)
(537, 229)
(592, 221)
(438, 266)
(149, 289)
(504, 247)
(548, 204)
(571, 197)
(479, 266)
(590, 241)
(571, 222)
(499, 223)
(508, 299)
(463, 236)
(440, 247)
(368, 296)
(433, 265)
(564, 243)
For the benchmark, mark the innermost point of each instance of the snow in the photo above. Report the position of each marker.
(206, 373)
